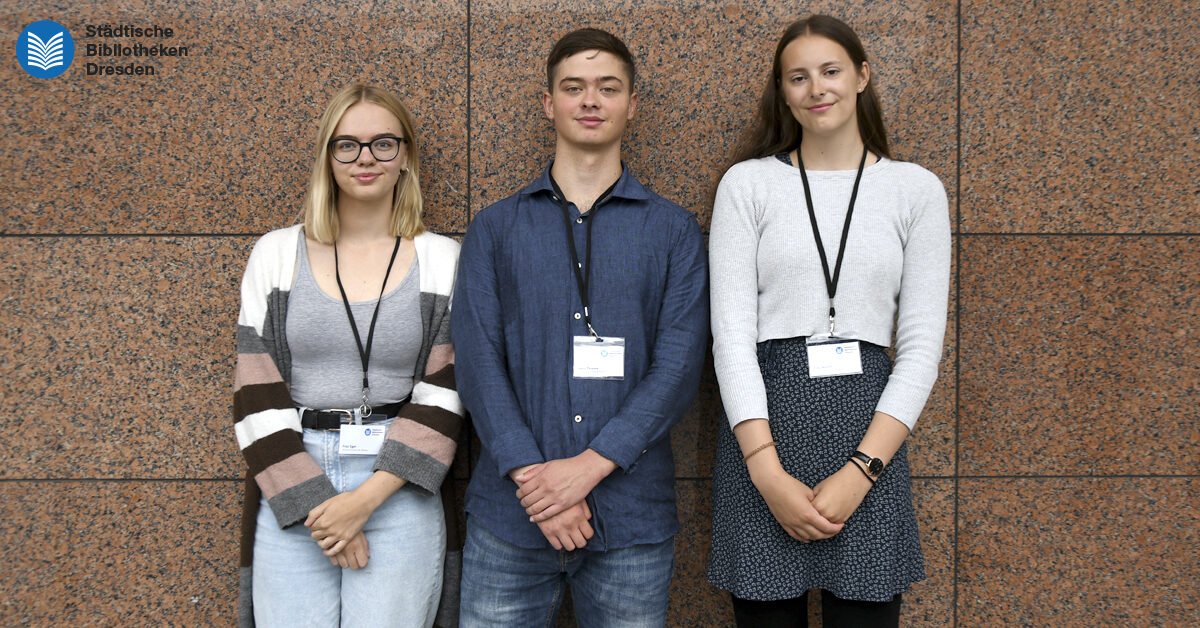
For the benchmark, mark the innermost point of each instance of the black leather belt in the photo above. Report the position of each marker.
(334, 419)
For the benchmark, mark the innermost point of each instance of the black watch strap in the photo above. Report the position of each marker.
(874, 466)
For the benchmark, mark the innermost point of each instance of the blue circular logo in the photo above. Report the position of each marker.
(367, 431)
(838, 351)
(45, 49)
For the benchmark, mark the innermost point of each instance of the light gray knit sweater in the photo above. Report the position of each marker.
(767, 280)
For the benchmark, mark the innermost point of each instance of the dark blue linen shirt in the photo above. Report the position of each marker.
(517, 308)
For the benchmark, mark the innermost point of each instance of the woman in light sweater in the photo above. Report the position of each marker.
(823, 251)
(344, 398)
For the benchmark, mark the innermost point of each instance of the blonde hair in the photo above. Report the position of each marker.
(320, 202)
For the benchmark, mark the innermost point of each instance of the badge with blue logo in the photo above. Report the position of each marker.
(45, 49)
(599, 358)
(360, 440)
(829, 356)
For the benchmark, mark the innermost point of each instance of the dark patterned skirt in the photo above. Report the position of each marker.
(817, 424)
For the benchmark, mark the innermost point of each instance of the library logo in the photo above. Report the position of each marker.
(45, 49)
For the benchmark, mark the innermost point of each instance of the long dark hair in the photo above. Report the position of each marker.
(775, 130)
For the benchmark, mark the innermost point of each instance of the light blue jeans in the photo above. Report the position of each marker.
(507, 585)
(296, 585)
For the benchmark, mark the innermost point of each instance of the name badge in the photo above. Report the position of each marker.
(830, 356)
(599, 358)
(358, 439)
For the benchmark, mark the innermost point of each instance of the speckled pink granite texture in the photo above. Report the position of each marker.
(1055, 462)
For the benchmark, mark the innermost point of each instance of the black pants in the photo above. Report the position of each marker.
(835, 613)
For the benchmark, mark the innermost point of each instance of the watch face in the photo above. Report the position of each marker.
(875, 466)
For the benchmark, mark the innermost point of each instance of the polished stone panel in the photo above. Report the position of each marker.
(1079, 116)
(1071, 360)
(1055, 552)
(930, 602)
(695, 602)
(120, 553)
(126, 352)
(694, 438)
(701, 67)
(1078, 356)
(220, 141)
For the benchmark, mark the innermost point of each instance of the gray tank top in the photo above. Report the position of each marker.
(326, 368)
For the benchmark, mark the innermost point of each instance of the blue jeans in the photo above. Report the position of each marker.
(507, 585)
(296, 585)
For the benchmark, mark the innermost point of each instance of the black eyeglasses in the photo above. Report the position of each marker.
(346, 150)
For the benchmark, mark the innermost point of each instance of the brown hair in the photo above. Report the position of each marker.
(775, 130)
(587, 39)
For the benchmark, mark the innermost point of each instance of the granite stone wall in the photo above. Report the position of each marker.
(1054, 466)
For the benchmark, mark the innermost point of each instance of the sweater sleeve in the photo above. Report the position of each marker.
(733, 267)
(266, 423)
(421, 442)
(921, 314)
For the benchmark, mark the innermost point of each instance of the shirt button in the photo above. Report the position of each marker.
(578, 316)
(579, 220)
(578, 419)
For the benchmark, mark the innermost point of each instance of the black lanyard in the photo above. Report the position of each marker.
(581, 281)
(364, 354)
(831, 282)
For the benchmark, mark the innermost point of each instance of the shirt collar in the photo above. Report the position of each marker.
(627, 186)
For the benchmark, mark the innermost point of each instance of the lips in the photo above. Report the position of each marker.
(366, 177)
(590, 121)
(821, 108)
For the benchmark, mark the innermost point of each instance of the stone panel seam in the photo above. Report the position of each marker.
(1084, 234)
(958, 243)
(468, 434)
(120, 480)
(702, 478)
(130, 235)
(1115, 476)
(161, 235)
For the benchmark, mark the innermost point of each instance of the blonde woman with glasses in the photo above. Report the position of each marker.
(344, 399)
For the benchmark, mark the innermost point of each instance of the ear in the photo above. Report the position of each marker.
(864, 76)
(632, 106)
(548, 105)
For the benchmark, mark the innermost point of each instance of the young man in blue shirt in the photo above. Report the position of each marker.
(580, 324)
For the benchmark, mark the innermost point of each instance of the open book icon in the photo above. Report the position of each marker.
(45, 54)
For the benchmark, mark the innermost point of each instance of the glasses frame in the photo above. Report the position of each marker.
(367, 145)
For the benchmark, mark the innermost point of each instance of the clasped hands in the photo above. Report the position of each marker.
(553, 493)
(336, 524)
(817, 513)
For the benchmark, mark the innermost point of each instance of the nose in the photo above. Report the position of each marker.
(590, 97)
(365, 156)
(816, 87)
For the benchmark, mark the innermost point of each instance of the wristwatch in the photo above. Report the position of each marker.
(874, 466)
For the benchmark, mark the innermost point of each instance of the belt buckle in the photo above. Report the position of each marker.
(349, 417)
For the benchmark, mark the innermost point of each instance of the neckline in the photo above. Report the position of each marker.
(784, 160)
(307, 272)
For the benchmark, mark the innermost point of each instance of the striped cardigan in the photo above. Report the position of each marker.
(420, 443)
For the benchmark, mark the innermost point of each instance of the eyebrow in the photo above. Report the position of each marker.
(347, 136)
(602, 79)
(819, 67)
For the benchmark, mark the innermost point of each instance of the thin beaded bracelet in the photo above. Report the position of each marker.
(761, 447)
